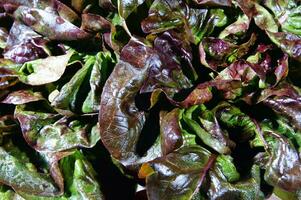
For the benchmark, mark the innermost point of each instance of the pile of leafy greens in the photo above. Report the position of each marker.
(150, 99)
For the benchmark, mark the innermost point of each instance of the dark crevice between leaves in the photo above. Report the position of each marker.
(141, 195)
(121, 35)
(264, 186)
(202, 71)
(243, 156)
(150, 132)
(135, 18)
(183, 94)
(151, 128)
(114, 184)
(94, 8)
(259, 111)
(218, 97)
(56, 48)
(40, 106)
(90, 46)
(295, 72)
(142, 101)
(6, 20)
(6, 109)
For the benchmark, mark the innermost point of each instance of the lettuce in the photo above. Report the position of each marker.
(150, 99)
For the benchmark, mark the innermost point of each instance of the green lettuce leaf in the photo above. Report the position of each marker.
(83, 90)
(43, 71)
(51, 132)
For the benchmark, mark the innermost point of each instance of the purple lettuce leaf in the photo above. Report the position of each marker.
(167, 73)
(22, 97)
(289, 107)
(216, 53)
(49, 25)
(120, 120)
(125, 8)
(171, 135)
(95, 23)
(282, 166)
(214, 2)
(23, 44)
(178, 174)
(8, 77)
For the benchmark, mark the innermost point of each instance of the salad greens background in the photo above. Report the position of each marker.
(150, 99)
